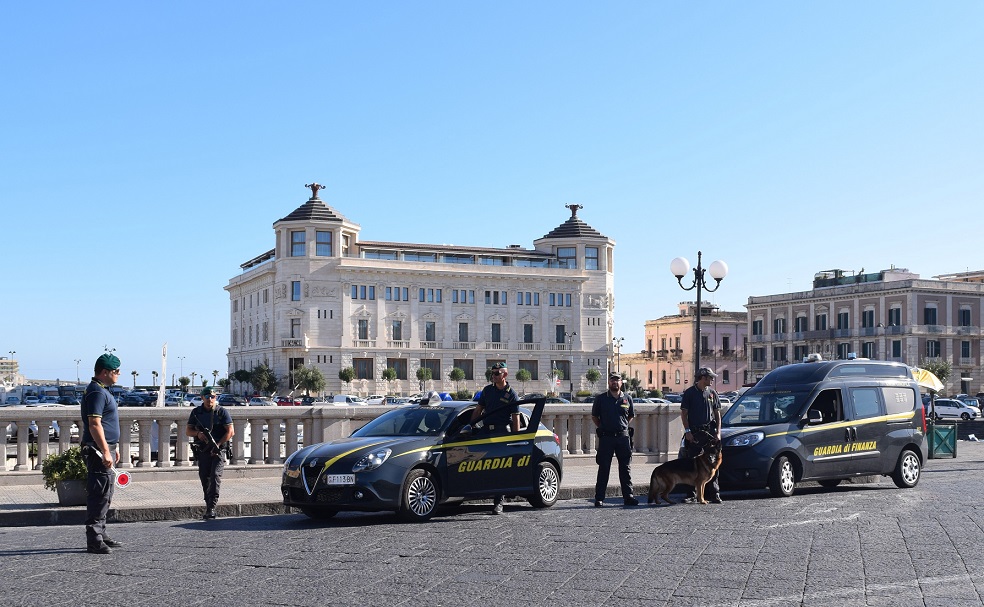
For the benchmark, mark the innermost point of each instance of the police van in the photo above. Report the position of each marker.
(825, 421)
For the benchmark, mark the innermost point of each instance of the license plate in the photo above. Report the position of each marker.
(340, 479)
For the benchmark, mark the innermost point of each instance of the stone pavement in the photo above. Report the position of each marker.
(174, 494)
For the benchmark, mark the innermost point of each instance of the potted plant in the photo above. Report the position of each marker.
(66, 474)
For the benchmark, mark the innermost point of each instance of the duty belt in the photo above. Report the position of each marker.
(612, 433)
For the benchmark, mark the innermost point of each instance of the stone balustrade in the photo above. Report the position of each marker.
(657, 431)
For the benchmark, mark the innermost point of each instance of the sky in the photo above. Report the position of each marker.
(147, 148)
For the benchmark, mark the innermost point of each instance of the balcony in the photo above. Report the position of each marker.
(894, 330)
(758, 365)
(398, 343)
(428, 344)
(529, 346)
(463, 345)
(842, 333)
(759, 338)
(967, 330)
(866, 331)
(495, 345)
(966, 361)
(363, 343)
(292, 342)
(559, 347)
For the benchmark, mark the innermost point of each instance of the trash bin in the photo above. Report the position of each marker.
(942, 440)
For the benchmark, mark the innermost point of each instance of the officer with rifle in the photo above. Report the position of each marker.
(211, 427)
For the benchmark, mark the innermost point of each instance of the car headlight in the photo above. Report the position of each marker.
(372, 460)
(745, 440)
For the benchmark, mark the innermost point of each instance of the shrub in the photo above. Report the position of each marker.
(66, 466)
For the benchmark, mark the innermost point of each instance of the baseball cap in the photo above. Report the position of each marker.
(705, 372)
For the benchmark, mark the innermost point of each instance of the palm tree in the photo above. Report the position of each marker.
(155, 374)
(215, 377)
(134, 374)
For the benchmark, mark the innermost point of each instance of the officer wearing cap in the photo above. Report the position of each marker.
(700, 412)
(211, 426)
(100, 439)
(611, 412)
(498, 404)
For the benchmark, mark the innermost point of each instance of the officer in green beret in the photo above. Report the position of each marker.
(100, 441)
(497, 404)
(211, 426)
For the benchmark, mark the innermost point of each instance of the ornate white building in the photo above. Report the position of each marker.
(324, 297)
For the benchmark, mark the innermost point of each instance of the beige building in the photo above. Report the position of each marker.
(888, 315)
(323, 296)
(670, 348)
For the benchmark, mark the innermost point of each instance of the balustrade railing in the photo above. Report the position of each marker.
(266, 435)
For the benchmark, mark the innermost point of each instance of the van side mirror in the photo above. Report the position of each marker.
(814, 417)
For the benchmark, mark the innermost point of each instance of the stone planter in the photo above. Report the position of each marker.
(71, 493)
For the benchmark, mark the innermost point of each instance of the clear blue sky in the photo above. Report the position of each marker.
(147, 148)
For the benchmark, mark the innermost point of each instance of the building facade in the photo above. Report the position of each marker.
(670, 348)
(325, 297)
(888, 315)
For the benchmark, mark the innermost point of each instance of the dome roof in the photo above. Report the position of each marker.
(574, 227)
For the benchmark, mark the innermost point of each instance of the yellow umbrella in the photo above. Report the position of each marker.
(926, 379)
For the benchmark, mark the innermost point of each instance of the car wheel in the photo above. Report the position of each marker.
(419, 498)
(547, 486)
(830, 483)
(965, 416)
(906, 473)
(319, 513)
(782, 478)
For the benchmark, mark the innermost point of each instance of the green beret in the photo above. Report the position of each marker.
(107, 361)
(497, 366)
(207, 391)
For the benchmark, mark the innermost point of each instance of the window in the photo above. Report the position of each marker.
(251, 335)
(430, 331)
(423, 257)
(467, 365)
(399, 365)
(567, 256)
(801, 324)
(363, 368)
(295, 328)
(677, 376)
(449, 258)
(346, 245)
(492, 261)
(397, 330)
(896, 348)
(379, 254)
(779, 354)
(527, 333)
(560, 330)
(495, 297)
(929, 316)
(297, 244)
(564, 366)
(965, 349)
(235, 305)
(462, 331)
(363, 329)
(868, 319)
(532, 366)
(725, 377)
(758, 327)
(964, 317)
(496, 332)
(295, 290)
(704, 343)
(725, 343)
(867, 402)
(779, 326)
(663, 373)
(868, 349)
(843, 350)
(932, 348)
(820, 322)
(895, 317)
(363, 292)
(322, 247)
(799, 353)
(266, 295)
(758, 355)
(843, 320)
(434, 364)
(591, 261)
(266, 331)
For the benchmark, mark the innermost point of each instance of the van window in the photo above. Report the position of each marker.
(829, 404)
(866, 402)
(899, 400)
(780, 406)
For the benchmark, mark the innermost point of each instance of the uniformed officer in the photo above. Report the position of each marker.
(498, 404)
(611, 412)
(700, 412)
(100, 438)
(210, 419)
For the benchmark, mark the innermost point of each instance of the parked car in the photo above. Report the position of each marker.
(286, 401)
(194, 400)
(69, 400)
(556, 400)
(31, 400)
(951, 408)
(11, 401)
(262, 401)
(396, 401)
(131, 400)
(390, 464)
(970, 401)
(346, 400)
(230, 400)
(375, 399)
(673, 398)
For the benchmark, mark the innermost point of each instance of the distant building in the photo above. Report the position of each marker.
(669, 353)
(325, 297)
(887, 315)
(10, 372)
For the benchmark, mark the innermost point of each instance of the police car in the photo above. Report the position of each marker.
(413, 458)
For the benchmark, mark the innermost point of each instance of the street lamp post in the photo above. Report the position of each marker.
(182, 358)
(12, 352)
(570, 349)
(78, 380)
(718, 270)
(193, 375)
(617, 347)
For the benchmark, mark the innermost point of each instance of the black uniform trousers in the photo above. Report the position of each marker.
(99, 485)
(619, 447)
(210, 468)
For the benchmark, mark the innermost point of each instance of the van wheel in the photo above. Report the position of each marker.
(830, 483)
(965, 416)
(782, 478)
(906, 473)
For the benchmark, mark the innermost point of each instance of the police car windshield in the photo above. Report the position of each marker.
(760, 408)
(416, 421)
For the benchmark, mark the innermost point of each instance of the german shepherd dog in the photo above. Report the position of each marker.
(696, 472)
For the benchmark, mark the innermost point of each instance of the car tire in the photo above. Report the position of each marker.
(547, 486)
(830, 483)
(319, 514)
(782, 478)
(907, 470)
(419, 497)
(965, 416)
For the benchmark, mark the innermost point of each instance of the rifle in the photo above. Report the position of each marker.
(211, 439)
